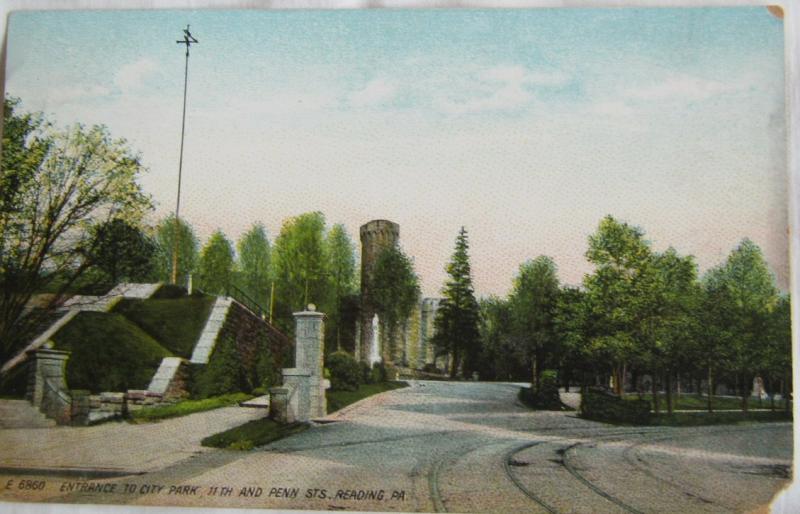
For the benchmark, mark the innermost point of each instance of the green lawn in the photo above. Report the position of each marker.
(185, 407)
(252, 434)
(687, 419)
(175, 322)
(340, 399)
(109, 353)
(697, 402)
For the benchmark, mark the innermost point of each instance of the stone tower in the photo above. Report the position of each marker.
(375, 236)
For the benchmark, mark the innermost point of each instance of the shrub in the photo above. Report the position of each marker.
(431, 368)
(603, 406)
(366, 373)
(378, 373)
(547, 397)
(345, 372)
(390, 372)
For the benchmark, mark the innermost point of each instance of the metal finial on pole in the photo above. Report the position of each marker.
(188, 40)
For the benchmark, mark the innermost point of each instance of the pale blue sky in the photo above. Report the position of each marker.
(526, 126)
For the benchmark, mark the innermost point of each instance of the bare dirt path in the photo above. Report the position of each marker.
(471, 447)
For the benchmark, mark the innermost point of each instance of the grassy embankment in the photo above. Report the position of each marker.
(339, 399)
(700, 415)
(121, 349)
(695, 402)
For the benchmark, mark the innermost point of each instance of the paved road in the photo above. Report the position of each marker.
(470, 447)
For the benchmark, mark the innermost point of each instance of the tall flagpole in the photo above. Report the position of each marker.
(188, 40)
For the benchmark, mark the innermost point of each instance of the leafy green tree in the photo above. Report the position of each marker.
(188, 245)
(500, 358)
(299, 266)
(572, 328)
(671, 323)
(122, 252)
(456, 325)
(341, 264)
(216, 264)
(25, 145)
(394, 290)
(254, 263)
(776, 357)
(616, 293)
(533, 303)
(62, 184)
(744, 294)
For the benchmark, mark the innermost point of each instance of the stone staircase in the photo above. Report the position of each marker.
(21, 414)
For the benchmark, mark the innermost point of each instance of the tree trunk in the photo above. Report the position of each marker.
(710, 389)
(745, 391)
(772, 394)
(668, 387)
(654, 387)
(785, 392)
(535, 374)
(453, 364)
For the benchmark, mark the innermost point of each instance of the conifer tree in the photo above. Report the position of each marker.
(456, 324)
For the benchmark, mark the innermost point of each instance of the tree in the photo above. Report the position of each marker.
(78, 179)
(456, 324)
(744, 293)
(122, 252)
(25, 144)
(500, 358)
(187, 249)
(299, 266)
(572, 329)
(776, 362)
(254, 263)
(672, 330)
(616, 294)
(394, 290)
(341, 264)
(533, 302)
(216, 264)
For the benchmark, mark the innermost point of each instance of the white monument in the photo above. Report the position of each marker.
(375, 347)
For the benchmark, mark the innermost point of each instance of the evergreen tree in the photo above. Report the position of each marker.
(458, 316)
(216, 264)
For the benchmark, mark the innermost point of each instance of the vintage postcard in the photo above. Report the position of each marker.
(413, 260)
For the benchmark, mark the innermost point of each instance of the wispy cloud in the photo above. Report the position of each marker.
(378, 91)
(132, 76)
(502, 88)
(67, 94)
(682, 87)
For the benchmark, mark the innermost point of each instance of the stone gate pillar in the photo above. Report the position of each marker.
(47, 383)
(309, 354)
